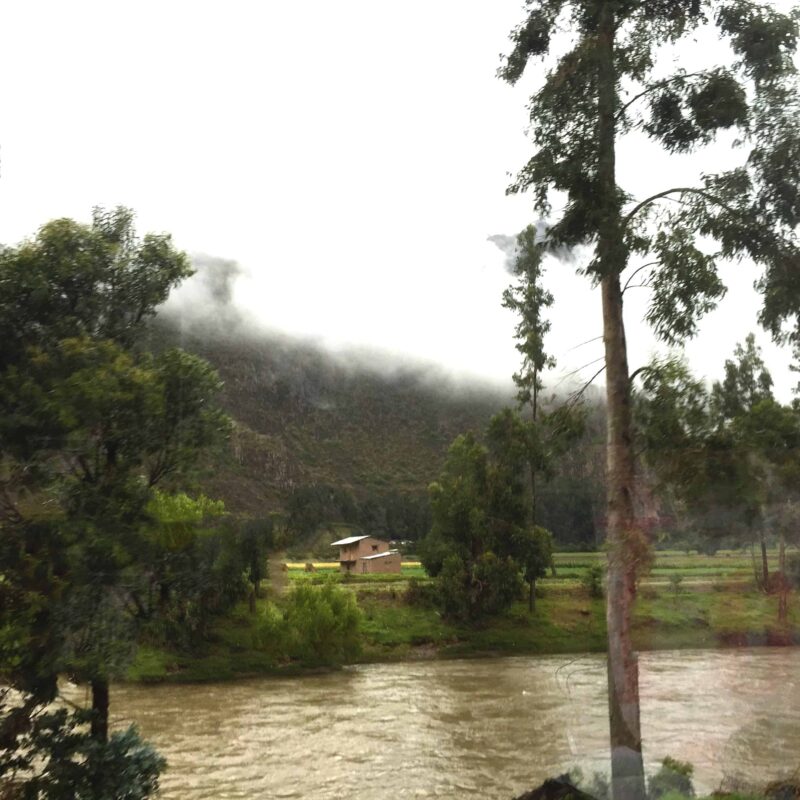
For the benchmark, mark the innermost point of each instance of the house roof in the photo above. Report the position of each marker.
(380, 555)
(348, 540)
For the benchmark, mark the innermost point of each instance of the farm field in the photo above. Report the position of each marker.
(688, 601)
(728, 566)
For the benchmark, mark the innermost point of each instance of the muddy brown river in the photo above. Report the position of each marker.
(457, 729)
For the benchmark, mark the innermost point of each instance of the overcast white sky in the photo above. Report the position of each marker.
(352, 156)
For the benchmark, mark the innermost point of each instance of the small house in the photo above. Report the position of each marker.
(366, 554)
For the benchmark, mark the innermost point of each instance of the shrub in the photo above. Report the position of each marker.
(674, 777)
(57, 759)
(420, 593)
(597, 786)
(592, 581)
(486, 587)
(498, 583)
(452, 585)
(271, 633)
(323, 625)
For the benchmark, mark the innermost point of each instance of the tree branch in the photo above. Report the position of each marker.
(636, 271)
(639, 371)
(575, 371)
(677, 189)
(588, 341)
(653, 87)
(575, 396)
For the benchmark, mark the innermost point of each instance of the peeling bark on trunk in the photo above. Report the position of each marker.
(627, 767)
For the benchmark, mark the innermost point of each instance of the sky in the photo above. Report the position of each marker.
(352, 157)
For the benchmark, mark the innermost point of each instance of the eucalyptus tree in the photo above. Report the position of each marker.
(607, 81)
(529, 300)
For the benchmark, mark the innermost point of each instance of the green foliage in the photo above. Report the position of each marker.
(76, 281)
(495, 585)
(528, 299)
(793, 569)
(271, 634)
(323, 624)
(533, 551)
(674, 777)
(592, 580)
(59, 760)
(729, 455)
(470, 590)
(90, 423)
(256, 539)
(420, 593)
(478, 506)
(598, 786)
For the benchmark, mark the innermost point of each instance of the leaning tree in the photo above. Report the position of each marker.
(605, 79)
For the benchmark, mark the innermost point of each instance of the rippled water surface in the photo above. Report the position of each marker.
(458, 729)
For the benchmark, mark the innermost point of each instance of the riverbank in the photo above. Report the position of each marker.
(715, 613)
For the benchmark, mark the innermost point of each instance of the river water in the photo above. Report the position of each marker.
(456, 729)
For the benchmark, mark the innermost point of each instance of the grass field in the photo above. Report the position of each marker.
(715, 604)
(726, 566)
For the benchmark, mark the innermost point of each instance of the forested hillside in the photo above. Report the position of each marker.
(331, 437)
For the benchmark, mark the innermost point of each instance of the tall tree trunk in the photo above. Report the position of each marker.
(783, 584)
(531, 594)
(782, 553)
(627, 767)
(100, 692)
(764, 562)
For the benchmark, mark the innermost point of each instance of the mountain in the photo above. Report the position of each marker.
(303, 416)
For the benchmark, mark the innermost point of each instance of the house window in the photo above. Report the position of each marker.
(374, 548)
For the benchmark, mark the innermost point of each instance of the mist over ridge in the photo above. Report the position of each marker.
(204, 309)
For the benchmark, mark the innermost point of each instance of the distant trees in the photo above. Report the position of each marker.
(90, 423)
(606, 79)
(731, 455)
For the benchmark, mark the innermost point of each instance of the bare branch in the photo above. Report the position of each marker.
(575, 396)
(676, 190)
(653, 86)
(636, 271)
(588, 341)
(575, 371)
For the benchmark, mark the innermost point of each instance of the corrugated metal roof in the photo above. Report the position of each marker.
(380, 555)
(348, 540)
